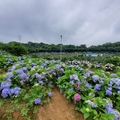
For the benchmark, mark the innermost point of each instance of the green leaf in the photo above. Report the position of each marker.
(95, 112)
(86, 115)
(35, 109)
(24, 111)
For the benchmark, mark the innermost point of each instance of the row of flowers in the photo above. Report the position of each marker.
(96, 94)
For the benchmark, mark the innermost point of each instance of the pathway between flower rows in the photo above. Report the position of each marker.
(58, 109)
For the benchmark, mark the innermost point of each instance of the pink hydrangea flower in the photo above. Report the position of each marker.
(77, 97)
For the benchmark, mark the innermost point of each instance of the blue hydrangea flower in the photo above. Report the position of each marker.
(57, 67)
(37, 101)
(33, 64)
(19, 71)
(88, 85)
(108, 92)
(109, 88)
(71, 89)
(109, 103)
(41, 82)
(10, 70)
(97, 87)
(110, 85)
(74, 77)
(112, 111)
(16, 90)
(113, 75)
(101, 81)
(5, 85)
(9, 75)
(72, 82)
(93, 105)
(86, 75)
(11, 91)
(50, 94)
(24, 68)
(95, 78)
(80, 69)
(5, 92)
(43, 64)
(118, 91)
(23, 75)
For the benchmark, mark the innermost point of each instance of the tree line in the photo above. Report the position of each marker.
(17, 48)
(43, 47)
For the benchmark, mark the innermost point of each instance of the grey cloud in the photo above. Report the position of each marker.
(89, 22)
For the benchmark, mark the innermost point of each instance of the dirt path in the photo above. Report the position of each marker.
(58, 109)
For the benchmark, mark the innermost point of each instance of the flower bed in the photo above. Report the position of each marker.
(29, 82)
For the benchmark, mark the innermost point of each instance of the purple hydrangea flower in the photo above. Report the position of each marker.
(10, 70)
(37, 101)
(112, 111)
(80, 69)
(38, 76)
(23, 75)
(118, 91)
(16, 90)
(22, 82)
(33, 64)
(19, 71)
(41, 82)
(109, 103)
(113, 75)
(93, 105)
(95, 78)
(57, 67)
(43, 64)
(72, 82)
(50, 94)
(71, 89)
(118, 83)
(86, 75)
(9, 75)
(5, 92)
(110, 85)
(97, 87)
(11, 91)
(5, 85)
(101, 81)
(108, 92)
(109, 88)
(74, 77)
(88, 85)
(24, 69)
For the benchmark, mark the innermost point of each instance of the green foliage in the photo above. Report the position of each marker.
(17, 49)
(113, 60)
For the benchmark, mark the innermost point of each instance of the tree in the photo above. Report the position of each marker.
(17, 49)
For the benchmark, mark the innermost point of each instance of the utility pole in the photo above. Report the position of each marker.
(19, 38)
(61, 49)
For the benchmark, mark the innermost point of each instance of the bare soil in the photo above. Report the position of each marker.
(58, 109)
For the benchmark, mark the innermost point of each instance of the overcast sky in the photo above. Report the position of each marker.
(90, 22)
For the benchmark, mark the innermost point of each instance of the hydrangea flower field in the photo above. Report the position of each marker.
(28, 83)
